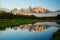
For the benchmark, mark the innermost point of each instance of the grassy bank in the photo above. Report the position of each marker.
(16, 22)
(56, 35)
(11, 20)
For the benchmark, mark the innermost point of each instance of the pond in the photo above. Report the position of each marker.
(36, 31)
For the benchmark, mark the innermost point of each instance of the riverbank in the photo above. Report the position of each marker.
(56, 35)
(10, 20)
(16, 22)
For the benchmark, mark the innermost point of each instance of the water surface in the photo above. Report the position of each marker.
(36, 31)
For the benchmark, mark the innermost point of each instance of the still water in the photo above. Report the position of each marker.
(36, 31)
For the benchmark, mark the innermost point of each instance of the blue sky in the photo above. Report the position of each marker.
(49, 4)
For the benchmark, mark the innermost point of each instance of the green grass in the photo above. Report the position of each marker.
(56, 35)
(16, 22)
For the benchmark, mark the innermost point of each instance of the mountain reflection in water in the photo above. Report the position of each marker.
(31, 27)
(36, 27)
(42, 31)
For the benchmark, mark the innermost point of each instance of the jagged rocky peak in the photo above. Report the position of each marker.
(31, 9)
(15, 11)
(31, 6)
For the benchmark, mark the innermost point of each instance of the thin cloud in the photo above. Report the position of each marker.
(1, 4)
(22, 3)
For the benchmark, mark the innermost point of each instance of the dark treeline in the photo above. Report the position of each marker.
(6, 15)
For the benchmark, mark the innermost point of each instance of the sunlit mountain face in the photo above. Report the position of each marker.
(32, 9)
(28, 10)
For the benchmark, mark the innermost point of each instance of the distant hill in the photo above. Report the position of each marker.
(57, 11)
(5, 9)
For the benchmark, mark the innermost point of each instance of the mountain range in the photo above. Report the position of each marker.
(30, 9)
